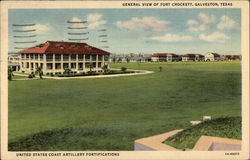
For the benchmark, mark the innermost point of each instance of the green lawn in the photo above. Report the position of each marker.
(110, 113)
(18, 77)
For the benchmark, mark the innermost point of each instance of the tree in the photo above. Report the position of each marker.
(40, 72)
(10, 73)
(128, 59)
(160, 68)
(90, 66)
(119, 60)
(123, 69)
(67, 71)
(105, 68)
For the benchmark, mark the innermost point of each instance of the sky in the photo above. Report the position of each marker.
(146, 31)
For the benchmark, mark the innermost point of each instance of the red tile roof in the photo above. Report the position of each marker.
(216, 54)
(163, 54)
(58, 47)
(192, 55)
(189, 55)
(232, 56)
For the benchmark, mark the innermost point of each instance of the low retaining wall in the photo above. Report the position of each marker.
(205, 143)
(154, 143)
(208, 143)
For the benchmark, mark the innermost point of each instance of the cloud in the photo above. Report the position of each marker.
(94, 17)
(206, 19)
(173, 38)
(40, 28)
(77, 25)
(214, 37)
(202, 23)
(192, 22)
(96, 24)
(149, 23)
(226, 23)
(93, 21)
(75, 19)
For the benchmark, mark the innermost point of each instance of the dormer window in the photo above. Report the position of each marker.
(88, 47)
(61, 47)
(40, 46)
(74, 46)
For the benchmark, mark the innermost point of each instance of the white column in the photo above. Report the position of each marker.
(77, 63)
(30, 62)
(90, 60)
(103, 62)
(34, 64)
(62, 63)
(83, 62)
(70, 61)
(39, 59)
(96, 66)
(25, 62)
(44, 64)
(53, 63)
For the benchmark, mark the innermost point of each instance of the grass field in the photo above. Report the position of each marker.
(110, 113)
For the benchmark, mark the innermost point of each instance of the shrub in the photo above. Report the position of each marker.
(33, 75)
(30, 76)
(123, 69)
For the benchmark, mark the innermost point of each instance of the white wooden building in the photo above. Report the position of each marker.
(55, 56)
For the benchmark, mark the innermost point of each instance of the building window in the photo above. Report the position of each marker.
(80, 66)
(31, 56)
(87, 65)
(49, 57)
(58, 66)
(65, 65)
(73, 57)
(93, 57)
(32, 65)
(41, 57)
(99, 57)
(65, 57)
(99, 64)
(80, 56)
(106, 57)
(49, 65)
(36, 56)
(27, 56)
(22, 55)
(87, 57)
(22, 65)
(73, 65)
(58, 57)
(27, 65)
(36, 64)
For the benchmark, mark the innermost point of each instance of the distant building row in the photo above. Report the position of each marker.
(171, 57)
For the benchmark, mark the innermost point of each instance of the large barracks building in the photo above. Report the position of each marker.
(54, 57)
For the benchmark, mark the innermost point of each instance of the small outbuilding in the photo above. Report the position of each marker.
(213, 57)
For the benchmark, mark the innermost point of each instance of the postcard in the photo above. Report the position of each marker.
(124, 80)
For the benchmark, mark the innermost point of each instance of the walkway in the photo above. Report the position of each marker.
(141, 72)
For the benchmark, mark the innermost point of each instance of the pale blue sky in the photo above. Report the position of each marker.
(138, 30)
